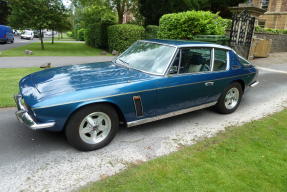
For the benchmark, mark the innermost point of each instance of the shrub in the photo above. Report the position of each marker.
(185, 25)
(96, 34)
(259, 29)
(81, 35)
(69, 34)
(121, 36)
(151, 31)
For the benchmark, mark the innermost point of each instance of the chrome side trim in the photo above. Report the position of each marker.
(24, 118)
(171, 114)
(133, 92)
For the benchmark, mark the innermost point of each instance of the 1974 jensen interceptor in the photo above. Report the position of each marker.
(152, 80)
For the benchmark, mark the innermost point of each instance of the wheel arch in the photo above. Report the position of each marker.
(241, 82)
(122, 118)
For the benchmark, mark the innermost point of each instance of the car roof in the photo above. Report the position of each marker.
(186, 43)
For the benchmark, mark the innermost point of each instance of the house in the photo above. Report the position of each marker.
(276, 15)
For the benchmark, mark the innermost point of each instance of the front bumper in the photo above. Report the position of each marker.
(26, 119)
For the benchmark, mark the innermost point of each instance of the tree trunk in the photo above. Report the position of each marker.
(41, 38)
(53, 36)
(121, 17)
(61, 35)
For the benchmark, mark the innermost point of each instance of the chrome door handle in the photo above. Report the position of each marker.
(209, 83)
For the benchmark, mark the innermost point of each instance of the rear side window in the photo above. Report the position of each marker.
(243, 61)
(220, 60)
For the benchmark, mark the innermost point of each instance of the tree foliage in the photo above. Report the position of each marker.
(37, 14)
(121, 36)
(153, 10)
(186, 25)
(4, 12)
(122, 7)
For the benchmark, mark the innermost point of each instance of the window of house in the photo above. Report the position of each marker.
(261, 24)
(264, 4)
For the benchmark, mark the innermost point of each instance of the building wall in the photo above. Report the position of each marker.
(276, 15)
(279, 42)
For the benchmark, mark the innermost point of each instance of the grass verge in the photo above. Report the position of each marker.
(9, 79)
(56, 49)
(252, 157)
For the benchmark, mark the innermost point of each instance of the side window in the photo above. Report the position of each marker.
(220, 60)
(174, 67)
(195, 60)
(243, 61)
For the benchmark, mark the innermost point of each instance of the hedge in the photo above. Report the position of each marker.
(96, 35)
(269, 30)
(151, 31)
(121, 36)
(81, 34)
(186, 25)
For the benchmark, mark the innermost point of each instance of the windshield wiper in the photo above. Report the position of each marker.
(126, 63)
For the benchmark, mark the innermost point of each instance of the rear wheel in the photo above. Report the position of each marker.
(92, 127)
(230, 99)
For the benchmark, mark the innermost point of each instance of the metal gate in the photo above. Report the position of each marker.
(242, 32)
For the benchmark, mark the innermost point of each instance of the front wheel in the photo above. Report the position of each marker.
(92, 127)
(230, 99)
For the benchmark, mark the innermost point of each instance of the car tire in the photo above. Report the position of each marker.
(230, 99)
(92, 127)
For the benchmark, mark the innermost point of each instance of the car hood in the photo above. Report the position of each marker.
(84, 76)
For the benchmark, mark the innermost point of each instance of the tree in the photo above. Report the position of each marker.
(36, 14)
(221, 6)
(58, 16)
(122, 7)
(153, 10)
(4, 12)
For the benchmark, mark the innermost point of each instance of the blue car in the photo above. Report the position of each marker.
(6, 34)
(152, 80)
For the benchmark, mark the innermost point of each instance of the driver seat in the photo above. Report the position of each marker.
(196, 64)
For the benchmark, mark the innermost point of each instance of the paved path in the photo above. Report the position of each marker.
(56, 61)
(43, 161)
(17, 43)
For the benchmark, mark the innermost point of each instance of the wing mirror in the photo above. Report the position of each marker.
(173, 70)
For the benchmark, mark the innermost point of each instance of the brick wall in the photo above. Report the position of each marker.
(279, 42)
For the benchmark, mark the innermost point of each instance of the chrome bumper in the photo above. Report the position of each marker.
(254, 84)
(23, 116)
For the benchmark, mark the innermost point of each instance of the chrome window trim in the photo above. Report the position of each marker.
(134, 92)
(212, 60)
(157, 74)
(242, 59)
(170, 114)
(227, 62)
(202, 72)
(171, 63)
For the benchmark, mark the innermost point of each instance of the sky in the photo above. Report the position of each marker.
(66, 2)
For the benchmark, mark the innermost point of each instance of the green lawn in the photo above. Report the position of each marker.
(252, 157)
(9, 79)
(56, 49)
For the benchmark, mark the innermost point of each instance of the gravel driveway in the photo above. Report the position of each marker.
(40, 161)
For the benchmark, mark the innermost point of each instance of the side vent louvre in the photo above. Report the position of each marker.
(138, 105)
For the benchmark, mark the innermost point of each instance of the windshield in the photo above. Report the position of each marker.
(148, 57)
(28, 33)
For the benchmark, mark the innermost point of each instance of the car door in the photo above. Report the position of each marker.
(190, 81)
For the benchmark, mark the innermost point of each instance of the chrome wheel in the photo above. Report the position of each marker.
(232, 98)
(95, 127)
